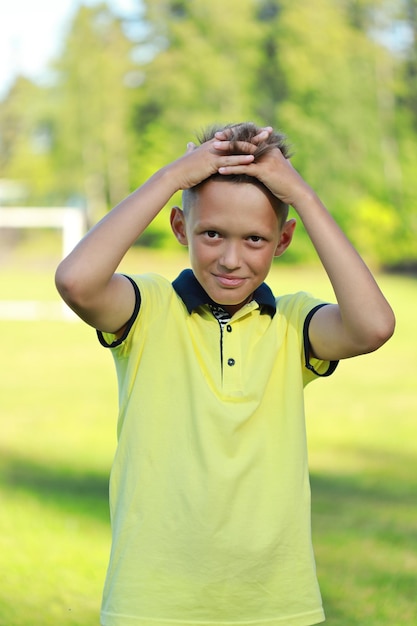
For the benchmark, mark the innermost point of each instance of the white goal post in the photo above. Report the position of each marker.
(71, 221)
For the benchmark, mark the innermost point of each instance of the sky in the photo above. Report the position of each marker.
(31, 33)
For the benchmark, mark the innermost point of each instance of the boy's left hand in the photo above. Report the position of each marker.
(271, 168)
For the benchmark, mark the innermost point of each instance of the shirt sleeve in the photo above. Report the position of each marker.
(317, 366)
(108, 340)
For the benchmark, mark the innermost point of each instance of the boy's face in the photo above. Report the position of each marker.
(232, 233)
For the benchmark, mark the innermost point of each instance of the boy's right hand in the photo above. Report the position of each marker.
(201, 162)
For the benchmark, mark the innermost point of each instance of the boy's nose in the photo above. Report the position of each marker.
(230, 258)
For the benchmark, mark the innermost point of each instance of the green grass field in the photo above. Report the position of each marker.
(58, 410)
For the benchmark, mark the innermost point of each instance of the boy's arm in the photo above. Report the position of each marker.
(362, 320)
(87, 279)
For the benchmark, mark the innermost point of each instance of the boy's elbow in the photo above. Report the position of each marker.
(67, 285)
(390, 329)
(61, 280)
(381, 332)
(387, 327)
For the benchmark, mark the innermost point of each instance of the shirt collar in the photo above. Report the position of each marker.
(193, 295)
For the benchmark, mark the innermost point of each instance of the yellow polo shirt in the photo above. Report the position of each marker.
(209, 490)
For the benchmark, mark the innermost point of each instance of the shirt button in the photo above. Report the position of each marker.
(230, 362)
(229, 328)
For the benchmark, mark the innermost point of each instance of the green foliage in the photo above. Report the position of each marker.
(94, 103)
(373, 226)
(25, 139)
(333, 76)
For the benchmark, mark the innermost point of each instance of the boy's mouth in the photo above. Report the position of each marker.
(226, 280)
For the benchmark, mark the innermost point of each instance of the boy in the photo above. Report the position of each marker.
(209, 492)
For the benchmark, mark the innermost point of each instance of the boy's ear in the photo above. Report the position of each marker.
(177, 220)
(286, 236)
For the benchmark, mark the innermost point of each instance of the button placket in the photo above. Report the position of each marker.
(232, 373)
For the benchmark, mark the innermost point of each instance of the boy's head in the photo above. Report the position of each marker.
(233, 228)
(243, 132)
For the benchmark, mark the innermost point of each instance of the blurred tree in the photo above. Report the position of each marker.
(410, 66)
(92, 109)
(201, 71)
(71, 141)
(202, 58)
(337, 77)
(394, 27)
(26, 135)
(334, 96)
(311, 68)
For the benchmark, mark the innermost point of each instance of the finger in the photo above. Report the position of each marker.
(262, 135)
(190, 147)
(223, 134)
(231, 164)
(244, 147)
(228, 170)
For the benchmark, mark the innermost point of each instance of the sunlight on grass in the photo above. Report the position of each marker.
(56, 559)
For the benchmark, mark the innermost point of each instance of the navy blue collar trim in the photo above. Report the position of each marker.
(193, 295)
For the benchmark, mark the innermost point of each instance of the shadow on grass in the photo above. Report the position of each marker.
(365, 531)
(382, 503)
(69, 490)
(380, 495)
(365, 537)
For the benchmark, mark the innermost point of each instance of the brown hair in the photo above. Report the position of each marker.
(243, 132)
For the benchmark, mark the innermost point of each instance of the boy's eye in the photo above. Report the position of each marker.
(212, 234)
(255, 238)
